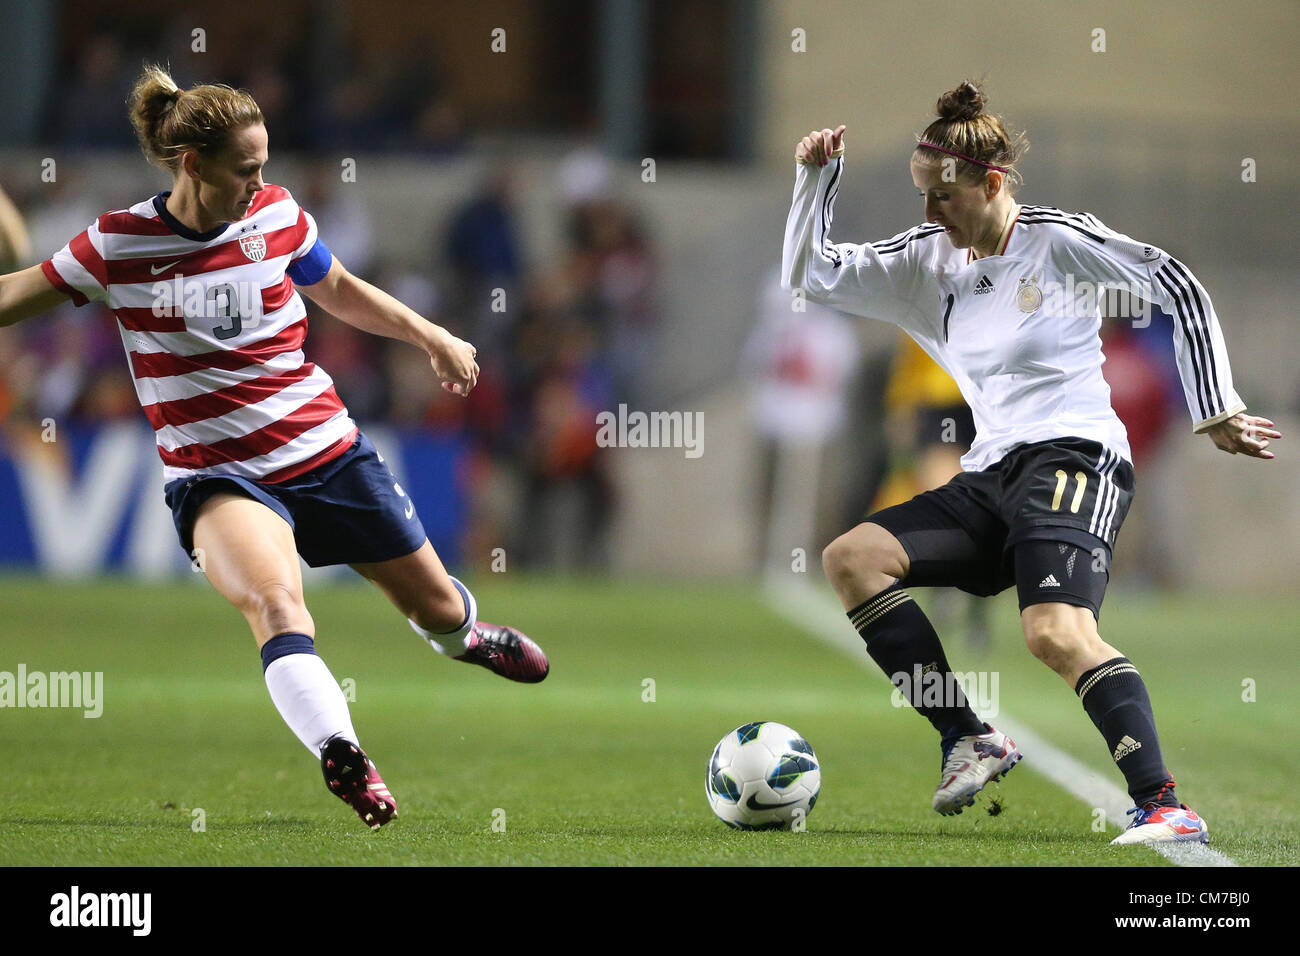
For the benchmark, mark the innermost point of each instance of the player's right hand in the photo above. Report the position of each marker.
(453, 362)
(820, 146)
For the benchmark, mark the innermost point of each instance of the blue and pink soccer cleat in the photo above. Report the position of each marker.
(1155, 823)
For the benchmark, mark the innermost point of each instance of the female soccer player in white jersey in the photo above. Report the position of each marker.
(993, 291)
(261, 459)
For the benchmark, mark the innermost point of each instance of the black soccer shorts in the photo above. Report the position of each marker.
(1043, 518)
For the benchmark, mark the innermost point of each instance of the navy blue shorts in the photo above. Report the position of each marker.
(348, 510)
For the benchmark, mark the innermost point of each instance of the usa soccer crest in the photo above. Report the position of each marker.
(254, 246)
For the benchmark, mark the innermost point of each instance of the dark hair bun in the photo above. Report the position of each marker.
(961, 105)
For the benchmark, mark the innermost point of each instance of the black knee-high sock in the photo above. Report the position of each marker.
(904, 645)
(1115, 697)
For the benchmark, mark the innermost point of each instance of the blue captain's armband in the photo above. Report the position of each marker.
(312, 267)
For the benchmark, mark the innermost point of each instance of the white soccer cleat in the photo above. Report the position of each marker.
(1156, 824)
(969, 764)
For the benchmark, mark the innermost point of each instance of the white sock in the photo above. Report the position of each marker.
(309, 699)
(452, 644)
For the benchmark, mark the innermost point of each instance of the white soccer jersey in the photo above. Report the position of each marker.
(1018, 331)
(213, 329)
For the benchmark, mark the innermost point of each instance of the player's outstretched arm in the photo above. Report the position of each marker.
(805, 262)
(371, 309)
(1244, 434)
(1110, 258)
(851, 277)
(25, 294)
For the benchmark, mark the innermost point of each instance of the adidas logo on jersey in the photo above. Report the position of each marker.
(1126, 746)
(984, 285)
(1049, 582)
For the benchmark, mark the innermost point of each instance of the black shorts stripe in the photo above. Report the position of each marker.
(1103, 510)
(1100, 467)
(1215, 395)
(1105, 463)
(1112, 502)
(1195, 347)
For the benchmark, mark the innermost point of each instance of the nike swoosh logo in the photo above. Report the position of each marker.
(753, 803)
(410, 508)
(163, 269)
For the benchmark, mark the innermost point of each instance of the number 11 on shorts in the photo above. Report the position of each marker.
(1081, 484)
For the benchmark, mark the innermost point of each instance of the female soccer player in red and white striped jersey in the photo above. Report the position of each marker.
(261, 459)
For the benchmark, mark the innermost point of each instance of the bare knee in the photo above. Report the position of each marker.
(863, 562)
(1058, 637)
(274, 607)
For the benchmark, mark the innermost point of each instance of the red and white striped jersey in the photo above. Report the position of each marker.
(213, 329)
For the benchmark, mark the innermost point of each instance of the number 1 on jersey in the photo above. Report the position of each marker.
(1081, 483)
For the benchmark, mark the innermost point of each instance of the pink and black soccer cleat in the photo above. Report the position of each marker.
(506, 651)
(353, 779)
(1155, 823)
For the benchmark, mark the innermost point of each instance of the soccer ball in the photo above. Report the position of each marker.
(763, 776)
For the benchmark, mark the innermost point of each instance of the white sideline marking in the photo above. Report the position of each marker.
(809, 609)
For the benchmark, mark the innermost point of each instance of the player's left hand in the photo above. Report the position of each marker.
(1244, 434)
(453, 362)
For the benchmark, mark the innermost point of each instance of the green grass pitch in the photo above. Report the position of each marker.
(582, 769)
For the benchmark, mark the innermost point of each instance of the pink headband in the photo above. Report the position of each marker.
(1001, 169)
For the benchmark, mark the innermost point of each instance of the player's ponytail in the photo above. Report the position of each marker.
(169, 120)
(976, 140)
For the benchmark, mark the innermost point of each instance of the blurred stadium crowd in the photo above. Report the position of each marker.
(393, 101)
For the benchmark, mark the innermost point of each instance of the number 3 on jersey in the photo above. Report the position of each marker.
(1080, 486)
(239, 310)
